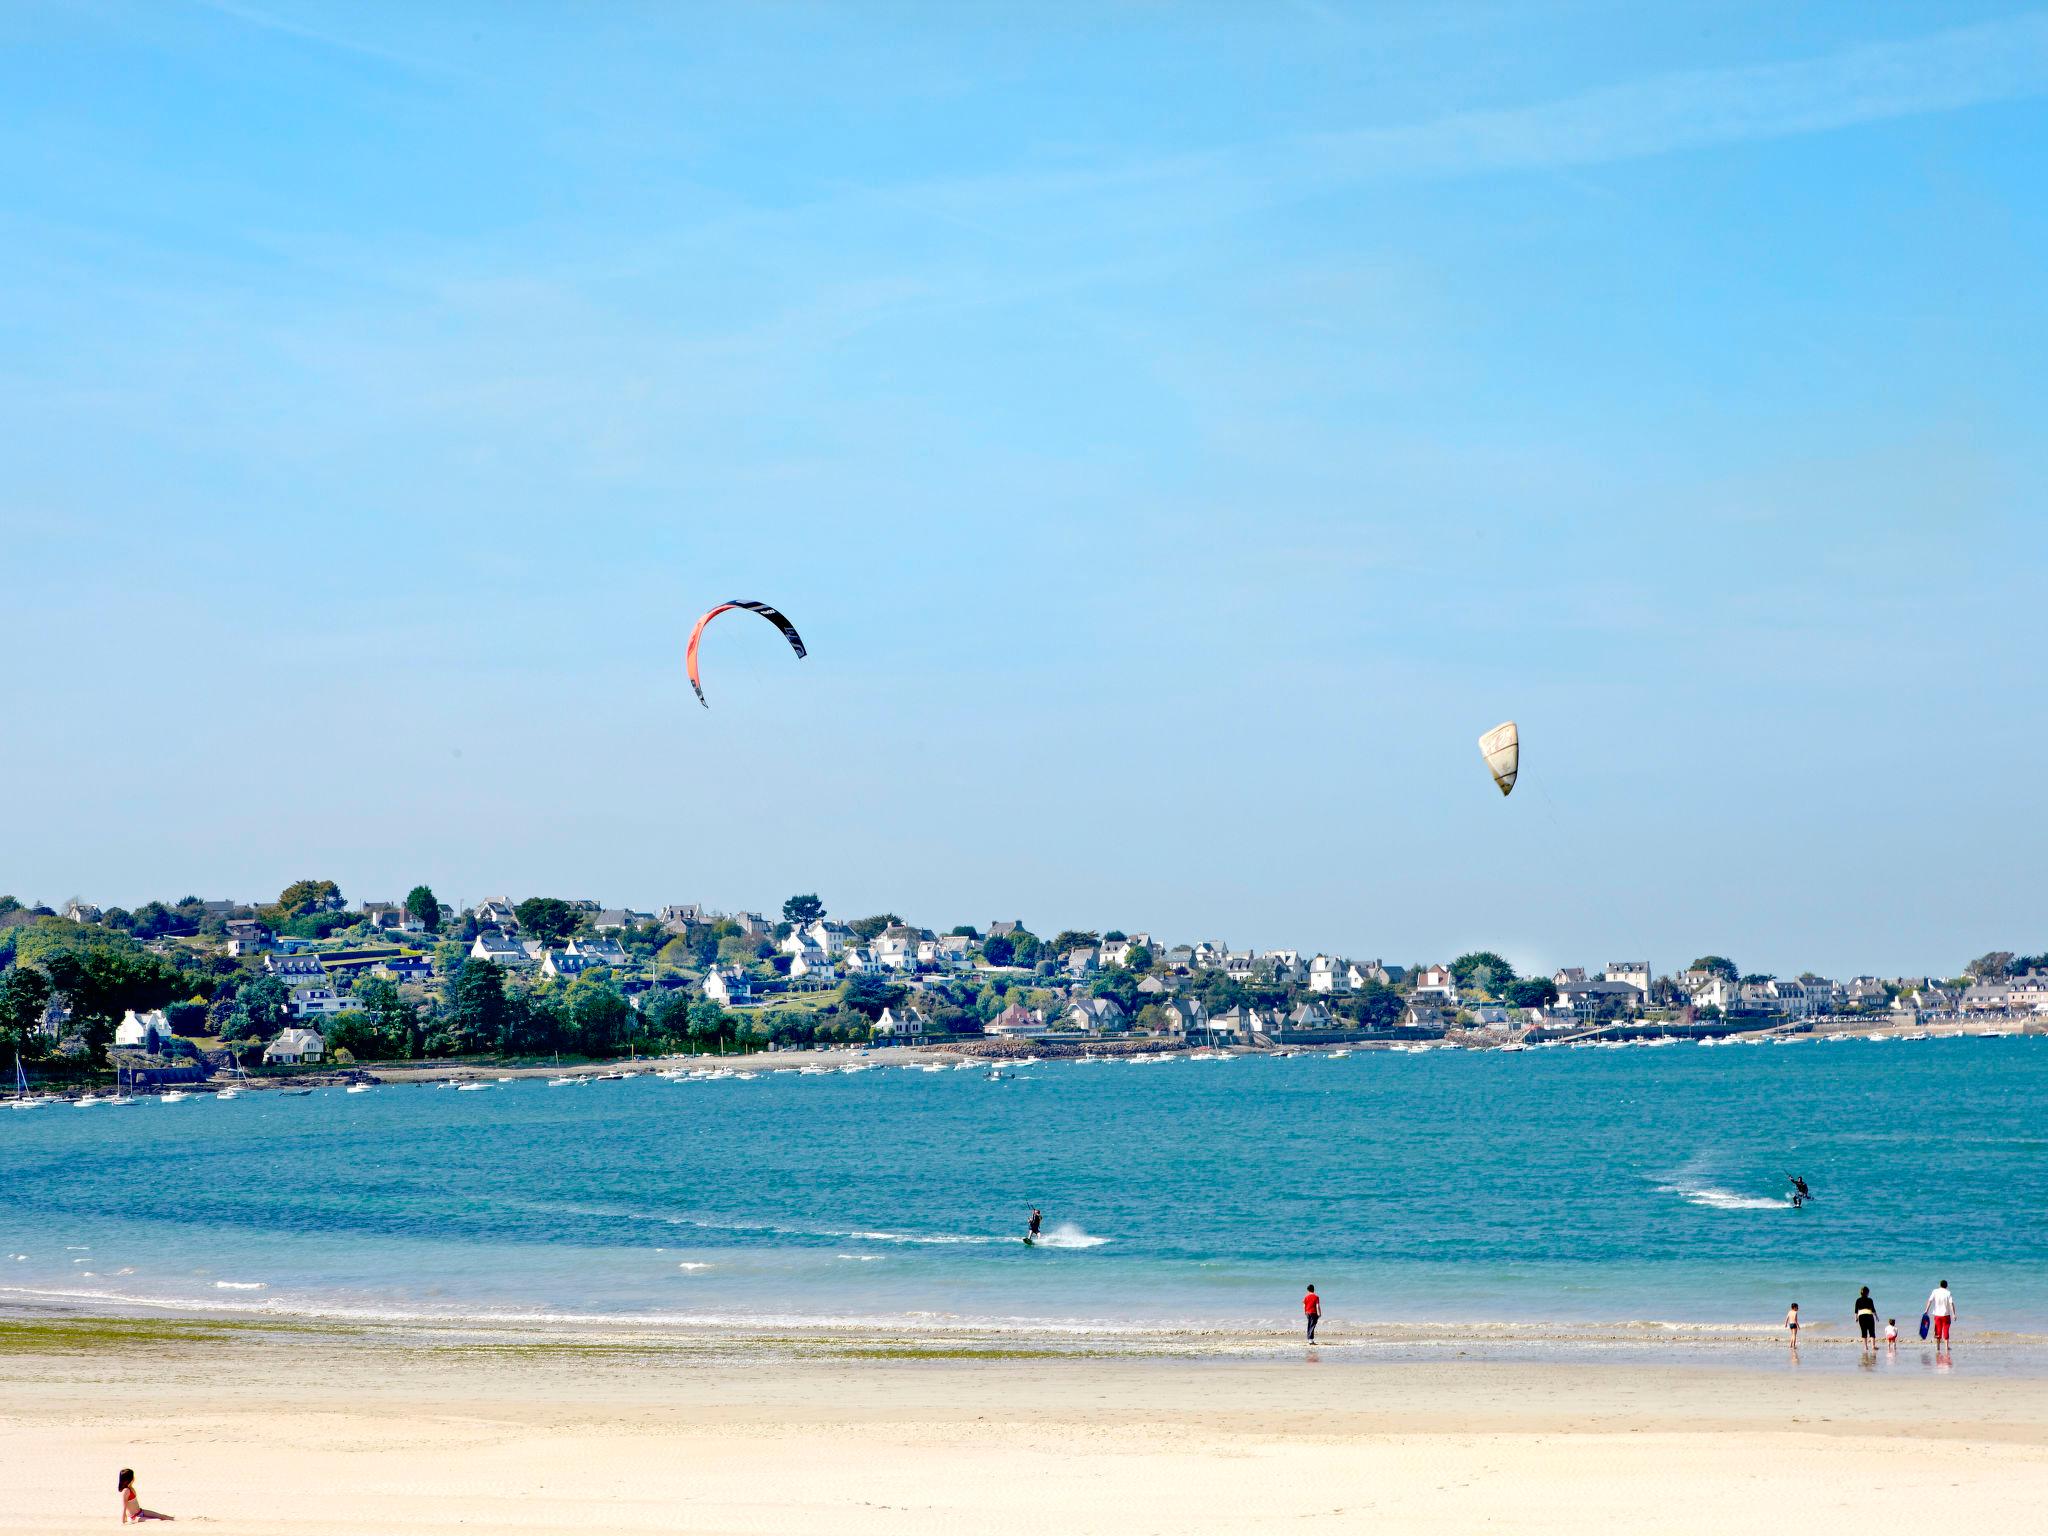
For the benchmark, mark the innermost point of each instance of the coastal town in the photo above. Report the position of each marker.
(182, 992)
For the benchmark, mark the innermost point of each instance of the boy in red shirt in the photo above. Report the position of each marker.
(1312, 1309)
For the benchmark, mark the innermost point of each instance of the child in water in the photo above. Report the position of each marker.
(1792, 1321)
(1891, 1331)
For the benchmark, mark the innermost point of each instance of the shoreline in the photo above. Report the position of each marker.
(39, 1325)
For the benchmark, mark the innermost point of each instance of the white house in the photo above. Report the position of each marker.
(1078, 962)
(729, 986)
(599, 951)
(391, 916)
(564, 964)
(905, 1028)
(956, 951)
(246, 936)
(500, 948)
(1323, 974)
(813, 970)
(1239, 964)
(318, 1002)
(1361, 974)
(1709, 989)
(799, 944)
(296, 970)
(81, 912)
(293, 1046)
(1437, 981)
(145, 1032)
(498, 912)
(829, 936)
(1115, 951)
(1309, 1018)
(1288, 967)
(1015, 1023)
(1635, 972)
(1099, 1015)
(896, 948)
(860, 962)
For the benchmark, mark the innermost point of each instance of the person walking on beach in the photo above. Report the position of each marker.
(1866, 1319)
(131, 1502)
(1941, 1306)
(1312, 1309)
(1792, 1323)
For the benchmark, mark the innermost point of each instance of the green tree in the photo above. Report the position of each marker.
(266, 1002)
(304, 897)
(803, 909)
(1072, 939)
(1482, 970)
(1377, 1006)
(600, 1018)
(707, 1022)
(1536, 992)
(869, 995)
(420, 903)
(866, 929)
(998, 950)
(1717, 965)
(473, 1012)
(24, 994)
(547, 918)
(1141, 959)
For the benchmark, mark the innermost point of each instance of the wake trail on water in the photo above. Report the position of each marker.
(1065, 1235)
(1723, 1199)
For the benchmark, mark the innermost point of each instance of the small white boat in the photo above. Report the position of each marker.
(504, 1079)
(175, 1096)
(561, 1082)
(358, 1088)
(229, 1093)
(21, 1100)
(472, 1087)
(88, 1101)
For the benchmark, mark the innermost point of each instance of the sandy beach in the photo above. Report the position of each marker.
(263, 1429)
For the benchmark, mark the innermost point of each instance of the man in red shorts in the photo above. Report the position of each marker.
(1941, 1306)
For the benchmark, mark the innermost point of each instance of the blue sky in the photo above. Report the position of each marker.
(1178, 430)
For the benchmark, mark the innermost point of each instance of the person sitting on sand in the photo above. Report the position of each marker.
(131, 1503)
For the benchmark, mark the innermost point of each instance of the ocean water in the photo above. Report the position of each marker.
(1570, 1187)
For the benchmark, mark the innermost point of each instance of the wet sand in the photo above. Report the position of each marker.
(262, 1427)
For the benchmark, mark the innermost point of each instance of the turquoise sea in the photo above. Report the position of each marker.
(1561, 1186)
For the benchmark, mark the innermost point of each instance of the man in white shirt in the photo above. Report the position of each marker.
(1941, 1306)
